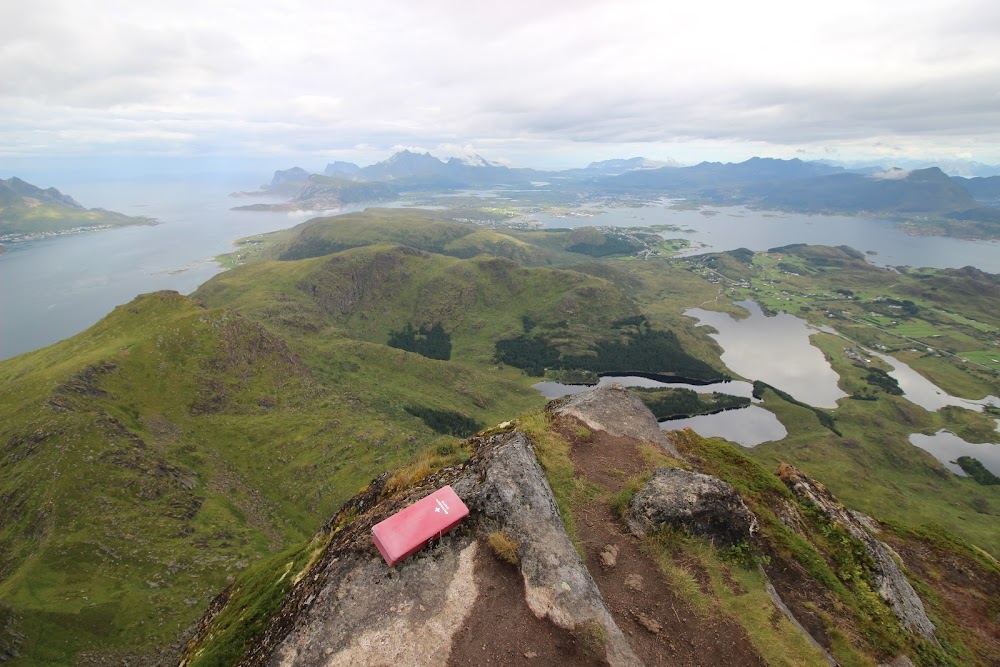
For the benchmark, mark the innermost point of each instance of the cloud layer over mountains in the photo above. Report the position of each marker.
(714, 79)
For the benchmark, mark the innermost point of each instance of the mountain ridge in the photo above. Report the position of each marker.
(518, 482)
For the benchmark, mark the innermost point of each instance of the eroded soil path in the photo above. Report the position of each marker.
(662, 628)
(502, 630)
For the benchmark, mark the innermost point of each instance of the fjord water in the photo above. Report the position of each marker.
(715, 229)
(53, 288)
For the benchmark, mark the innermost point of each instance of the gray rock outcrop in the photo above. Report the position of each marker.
(701, 504)
(614, 410)
(891, 583)
(351, 609)
(511, 491)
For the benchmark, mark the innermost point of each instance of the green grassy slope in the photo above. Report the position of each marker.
(367, 292)
(151, 457)
(449, 232)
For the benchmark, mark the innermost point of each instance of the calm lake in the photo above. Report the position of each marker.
(946, 447)
(747, 426)
(776, 350)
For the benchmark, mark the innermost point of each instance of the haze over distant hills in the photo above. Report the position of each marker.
(796, 185)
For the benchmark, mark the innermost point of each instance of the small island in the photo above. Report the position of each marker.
(28, 212)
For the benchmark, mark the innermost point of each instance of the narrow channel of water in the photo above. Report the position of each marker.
(552, 390)
(918, 389)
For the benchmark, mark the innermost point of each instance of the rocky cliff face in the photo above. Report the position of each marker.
(892, 584)
(545, 570)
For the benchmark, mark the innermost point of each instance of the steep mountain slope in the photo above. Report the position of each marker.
(149, 458)
(985, 190)
(919, 191)
(717, 175)
(153, 456)
(736, 566)
(424, 171)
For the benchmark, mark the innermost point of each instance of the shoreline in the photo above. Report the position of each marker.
(37, 236)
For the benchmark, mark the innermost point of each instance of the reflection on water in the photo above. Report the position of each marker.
(557, 389)
(775, 350)
(748, 426)
(945, 446)
(925, 393)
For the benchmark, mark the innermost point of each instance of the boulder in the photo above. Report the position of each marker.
(701, 504)
(614, 410)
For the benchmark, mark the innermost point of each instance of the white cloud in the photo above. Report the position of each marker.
(522, 80)
(894, 174)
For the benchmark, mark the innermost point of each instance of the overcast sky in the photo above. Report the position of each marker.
(539, 83)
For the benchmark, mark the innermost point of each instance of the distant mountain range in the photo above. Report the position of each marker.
(795, 185)
(27, 210)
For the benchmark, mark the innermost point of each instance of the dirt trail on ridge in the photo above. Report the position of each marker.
(661, 627)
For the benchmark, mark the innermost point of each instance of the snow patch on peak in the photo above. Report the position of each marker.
(892, 174)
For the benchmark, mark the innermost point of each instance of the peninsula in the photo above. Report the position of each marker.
(29, 212)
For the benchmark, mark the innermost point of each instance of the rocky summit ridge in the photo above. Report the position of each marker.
(559, 563)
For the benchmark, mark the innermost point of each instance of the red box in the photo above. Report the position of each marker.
(412, 528)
